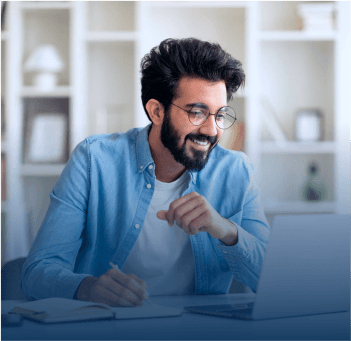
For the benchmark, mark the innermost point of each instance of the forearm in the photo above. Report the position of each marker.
(245, 258)
(46, 279)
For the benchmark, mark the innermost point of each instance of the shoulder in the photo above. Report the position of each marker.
(104, 144)
(230, 161)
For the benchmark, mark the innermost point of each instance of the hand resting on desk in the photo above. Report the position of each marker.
(113, 288)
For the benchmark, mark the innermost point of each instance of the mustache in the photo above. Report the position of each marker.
(202, 138)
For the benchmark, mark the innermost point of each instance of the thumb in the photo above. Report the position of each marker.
(162, 215)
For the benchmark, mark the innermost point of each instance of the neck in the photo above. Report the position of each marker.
(166, 168)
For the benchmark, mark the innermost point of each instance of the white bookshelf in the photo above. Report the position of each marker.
(293, 68)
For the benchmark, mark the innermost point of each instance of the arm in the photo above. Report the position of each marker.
(243, 237)
(48, 270)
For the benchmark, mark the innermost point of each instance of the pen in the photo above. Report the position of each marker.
(115, 266)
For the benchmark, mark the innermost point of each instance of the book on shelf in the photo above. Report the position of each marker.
(55, 310)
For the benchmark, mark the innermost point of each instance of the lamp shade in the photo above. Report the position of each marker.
(44, 58)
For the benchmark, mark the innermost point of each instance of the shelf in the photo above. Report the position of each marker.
(42, 170)
(324, 147)
(299, 207)
(60, 91)
(46, 5)
(298, 36)
(199, 4)
(118, 36)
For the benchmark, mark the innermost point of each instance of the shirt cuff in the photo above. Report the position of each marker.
(242, 249)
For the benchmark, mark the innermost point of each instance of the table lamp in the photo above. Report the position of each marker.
(46, 62)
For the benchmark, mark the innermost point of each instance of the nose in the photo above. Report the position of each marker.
(210, 127)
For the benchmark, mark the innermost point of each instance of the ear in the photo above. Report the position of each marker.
(156, 111)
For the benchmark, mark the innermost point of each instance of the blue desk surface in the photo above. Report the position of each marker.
(189, 326)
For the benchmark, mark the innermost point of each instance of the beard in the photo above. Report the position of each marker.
(170, 138)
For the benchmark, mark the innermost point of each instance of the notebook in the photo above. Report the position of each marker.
(305, 270)
(54, 310)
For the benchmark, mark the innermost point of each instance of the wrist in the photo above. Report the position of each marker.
(231, 238)
(84, 289)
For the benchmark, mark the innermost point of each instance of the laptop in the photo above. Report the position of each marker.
(305, 271)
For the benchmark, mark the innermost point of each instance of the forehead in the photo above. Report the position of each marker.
(193, 89)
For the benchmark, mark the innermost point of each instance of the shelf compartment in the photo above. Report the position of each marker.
(296, 76)
(298, 148)
(109, 36)
(298, 35)
(42, 170)
(282, 177)
(299, 207)
(111, 15)
(47, 27)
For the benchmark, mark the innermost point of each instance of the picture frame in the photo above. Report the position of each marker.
(46, 138)
(309, 125)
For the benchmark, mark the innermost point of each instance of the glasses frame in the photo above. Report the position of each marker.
(216, 114)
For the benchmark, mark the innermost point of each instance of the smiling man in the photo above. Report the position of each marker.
(177, 213)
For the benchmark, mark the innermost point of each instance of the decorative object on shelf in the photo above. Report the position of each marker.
(46, 61)
(46, 140)
(3, 14)
(309, 125)
(317, 16)
(314, 188)
(270, 123)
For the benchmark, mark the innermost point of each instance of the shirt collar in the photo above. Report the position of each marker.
(144, 158)
(143, 152)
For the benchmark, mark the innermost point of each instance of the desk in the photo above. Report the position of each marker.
(189, 326)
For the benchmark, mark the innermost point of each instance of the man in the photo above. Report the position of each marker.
(177, 213)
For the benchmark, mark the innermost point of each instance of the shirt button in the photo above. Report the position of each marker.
(225, 252)
(148, 186)
(141, 167)
(136, 226)
(151, 166)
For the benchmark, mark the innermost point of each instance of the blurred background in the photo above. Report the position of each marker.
(71, 69)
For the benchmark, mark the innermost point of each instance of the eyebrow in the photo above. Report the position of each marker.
(197, 104)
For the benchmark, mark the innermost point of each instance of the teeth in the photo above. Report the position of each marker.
(201, 143)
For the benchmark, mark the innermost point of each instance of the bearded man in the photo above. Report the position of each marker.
(177, 213)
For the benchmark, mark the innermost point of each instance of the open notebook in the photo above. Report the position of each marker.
(54, 310)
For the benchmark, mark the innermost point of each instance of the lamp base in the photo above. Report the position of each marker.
(45, 81)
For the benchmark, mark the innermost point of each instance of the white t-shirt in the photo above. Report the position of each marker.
(162, 255)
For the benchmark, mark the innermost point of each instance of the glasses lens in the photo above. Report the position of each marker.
(226, 117)
(198, 116)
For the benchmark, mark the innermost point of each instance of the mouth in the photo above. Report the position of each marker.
(200, 143)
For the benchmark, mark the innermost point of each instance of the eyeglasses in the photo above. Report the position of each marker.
(199, 114)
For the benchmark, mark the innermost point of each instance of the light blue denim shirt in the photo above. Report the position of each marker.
(99, 204)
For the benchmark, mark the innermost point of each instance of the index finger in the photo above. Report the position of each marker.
(176, 203)
(128, 282)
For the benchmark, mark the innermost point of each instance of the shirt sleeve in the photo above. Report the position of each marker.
(49, 268)
(245, 258)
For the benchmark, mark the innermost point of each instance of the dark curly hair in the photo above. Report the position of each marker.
(162, 68)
